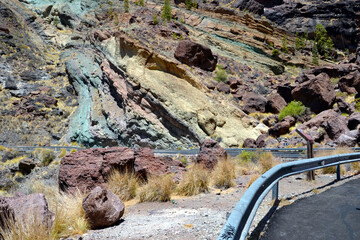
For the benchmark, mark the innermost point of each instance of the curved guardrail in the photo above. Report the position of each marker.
(239, 221)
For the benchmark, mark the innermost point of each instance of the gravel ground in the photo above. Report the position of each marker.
(202, 216)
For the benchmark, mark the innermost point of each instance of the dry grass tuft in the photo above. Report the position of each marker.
(246, 167)
(69, 214)
(332, 170)
(253, 179)
(124, 185)
(158, 188)
(224, 173)
(194, 181)
(355, 166)
(267, 161)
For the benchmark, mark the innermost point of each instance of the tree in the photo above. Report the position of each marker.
(284, 48)
(166, 11)
(323, 42)
(299, 42)
(126, 5)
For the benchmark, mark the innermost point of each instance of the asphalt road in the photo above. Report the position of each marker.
(331, 215)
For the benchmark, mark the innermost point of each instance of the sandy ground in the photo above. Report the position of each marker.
(202, 216)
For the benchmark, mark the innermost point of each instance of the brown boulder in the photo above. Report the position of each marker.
(350, 83)
(348, 139)
(333, 123)
(26, 165)
(254, 103)
(223, 87)
(102, 208)
(337, 70)
(318, 94)
(249, 143)
(88, 168)
(210, 153)
(275, 103)
(261, 140)
(354, 121)
(194, 54)
(23, 208)
(282, 127)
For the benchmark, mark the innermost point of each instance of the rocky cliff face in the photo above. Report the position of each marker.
(88, 72)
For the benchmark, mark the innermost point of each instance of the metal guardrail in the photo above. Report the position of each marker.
(239, 221)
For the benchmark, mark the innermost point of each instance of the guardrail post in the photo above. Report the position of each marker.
(338, 173)
(275, 192)
(310, 152)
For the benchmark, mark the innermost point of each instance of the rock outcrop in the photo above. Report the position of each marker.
(102, 208)
(195, 54)
(210, 153)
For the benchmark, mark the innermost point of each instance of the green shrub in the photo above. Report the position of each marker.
(315, 55)
(323, 42)
(221, 75)
(299, 42)
(247, 156)
(47, 157)
(166, 11)
(294, 109)
(155, 20)
(142, 3)
(284, 48)
(275, 53)
(126, 5)
(357, 104)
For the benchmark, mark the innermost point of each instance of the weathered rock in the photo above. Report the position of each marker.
(194, 54)
(102, 35)
(249, 143)
(333, 123)
(223, 87)
(350, 83)
(254, 103)
(317, 94)
(250, 5)
(270, 3)
(285, 92)
(261, 140)
(23, 208)
(354, 121)
(343, 106)
(348, 139)
(336, 70)
(210, 153)
(206, 121)
(88, 168)
(102, 208)
(275, 103)
(282, 127)
(26, 165)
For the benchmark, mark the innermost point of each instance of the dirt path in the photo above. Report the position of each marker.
(202, 216)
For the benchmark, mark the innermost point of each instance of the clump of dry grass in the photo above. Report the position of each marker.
(194, 181)
(224, 173)
(158, 188)
(355, 166)
(69, 214)
(267, 161)
(246, 167)
(253, 179)
(332, 170)
(124, 185)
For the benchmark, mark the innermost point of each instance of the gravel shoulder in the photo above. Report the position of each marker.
(203, 216)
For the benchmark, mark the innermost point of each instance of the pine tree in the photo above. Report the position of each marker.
(126, 5)
(284, 48)
(323, 41)
(166, 11)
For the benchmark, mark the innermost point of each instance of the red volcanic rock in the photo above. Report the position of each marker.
(275, 103)
(318, 94)
(223, 87)
(354, 121)
(210, 153)
(194, 54)
(282, 127)
(23, 207)
(249, 143)
(102, 208)
(254, 103)
(87, 169)
(350, 83)
(102, 35)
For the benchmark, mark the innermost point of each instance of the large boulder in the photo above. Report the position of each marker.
(249, 143)
(88, 168)
(254, 103)
(282, 127)
(348, 139)
(195, 54)
(210, 153)
(26, 208)
(350, 83)
(333, 123)
(102, 208)
(354, 121)
(275, 103)
(318, 94)
(249, 5)
(270, 3)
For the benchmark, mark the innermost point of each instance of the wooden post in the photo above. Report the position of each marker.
(310, 176)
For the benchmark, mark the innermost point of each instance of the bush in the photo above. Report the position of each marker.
(155, 20)
(194, 181)
(284, 48)
(126, 5)
(275, 53)
(142, 3)
(158, 188)
(267, 161)
(315, 55)
(223, 174)
(247, 156)
(294, 109)
(124, 184)
(299, 42)
(47, 157)
(221, 75)
(166, 11)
